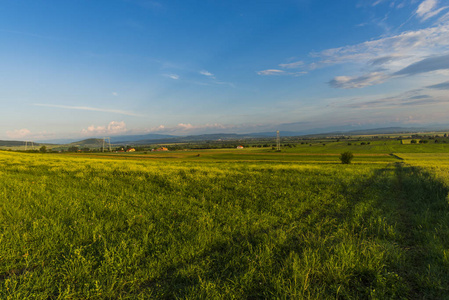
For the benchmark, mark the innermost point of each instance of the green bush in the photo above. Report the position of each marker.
(346, 157)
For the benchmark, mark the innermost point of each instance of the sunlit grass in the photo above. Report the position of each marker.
(87, 227)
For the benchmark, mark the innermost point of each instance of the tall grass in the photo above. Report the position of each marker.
(101, 228)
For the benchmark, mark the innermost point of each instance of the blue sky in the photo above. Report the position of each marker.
(101, 68)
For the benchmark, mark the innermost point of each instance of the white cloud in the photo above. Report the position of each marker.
(426, 65)
(207, 73)
(394, 54)
(18, 133)
(412, 44)
(184, 126)
(271, 72)
(383, 58)
(188, 128)
(117, 127)
(114, 94)
(428, 9)
(113, 127)
(157, 128)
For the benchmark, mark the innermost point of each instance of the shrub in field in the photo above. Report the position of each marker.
(346, 157)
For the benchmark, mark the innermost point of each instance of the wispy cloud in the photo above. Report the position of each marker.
(292, 65)
(426, 65)
(386, 59)
(375, 3)
(347, 82)
(207, 73)
(428, 9)
(410, 44)
(106, 110)
(409, 98)
(172, 76)
(271, 72)
(439, 86)
(407, 53)
(280, 72)
(444, 18)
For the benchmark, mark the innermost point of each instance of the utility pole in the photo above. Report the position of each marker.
(109, 143)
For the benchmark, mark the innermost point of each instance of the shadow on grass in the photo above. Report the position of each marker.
(422, 218)
(408, 199)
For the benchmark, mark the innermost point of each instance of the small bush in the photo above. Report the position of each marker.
(346, 157)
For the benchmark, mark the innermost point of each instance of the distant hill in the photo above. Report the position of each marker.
(377, 131)
(168, 139)
(133, 138)
(388, 130)
(147, 139)
(118, 139)
(88, 143)
(15, 143)
(199, 138)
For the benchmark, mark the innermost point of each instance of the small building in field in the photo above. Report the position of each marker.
(161, 149)
(131, 150)
(240, 147)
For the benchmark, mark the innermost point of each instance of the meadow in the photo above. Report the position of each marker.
(225, 225)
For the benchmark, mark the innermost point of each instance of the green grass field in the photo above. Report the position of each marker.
(225, 225)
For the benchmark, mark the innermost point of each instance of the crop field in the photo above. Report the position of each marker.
(362, 147)
(225, 225)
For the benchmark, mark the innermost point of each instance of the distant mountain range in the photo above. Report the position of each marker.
(146, 139)
(118, 139)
